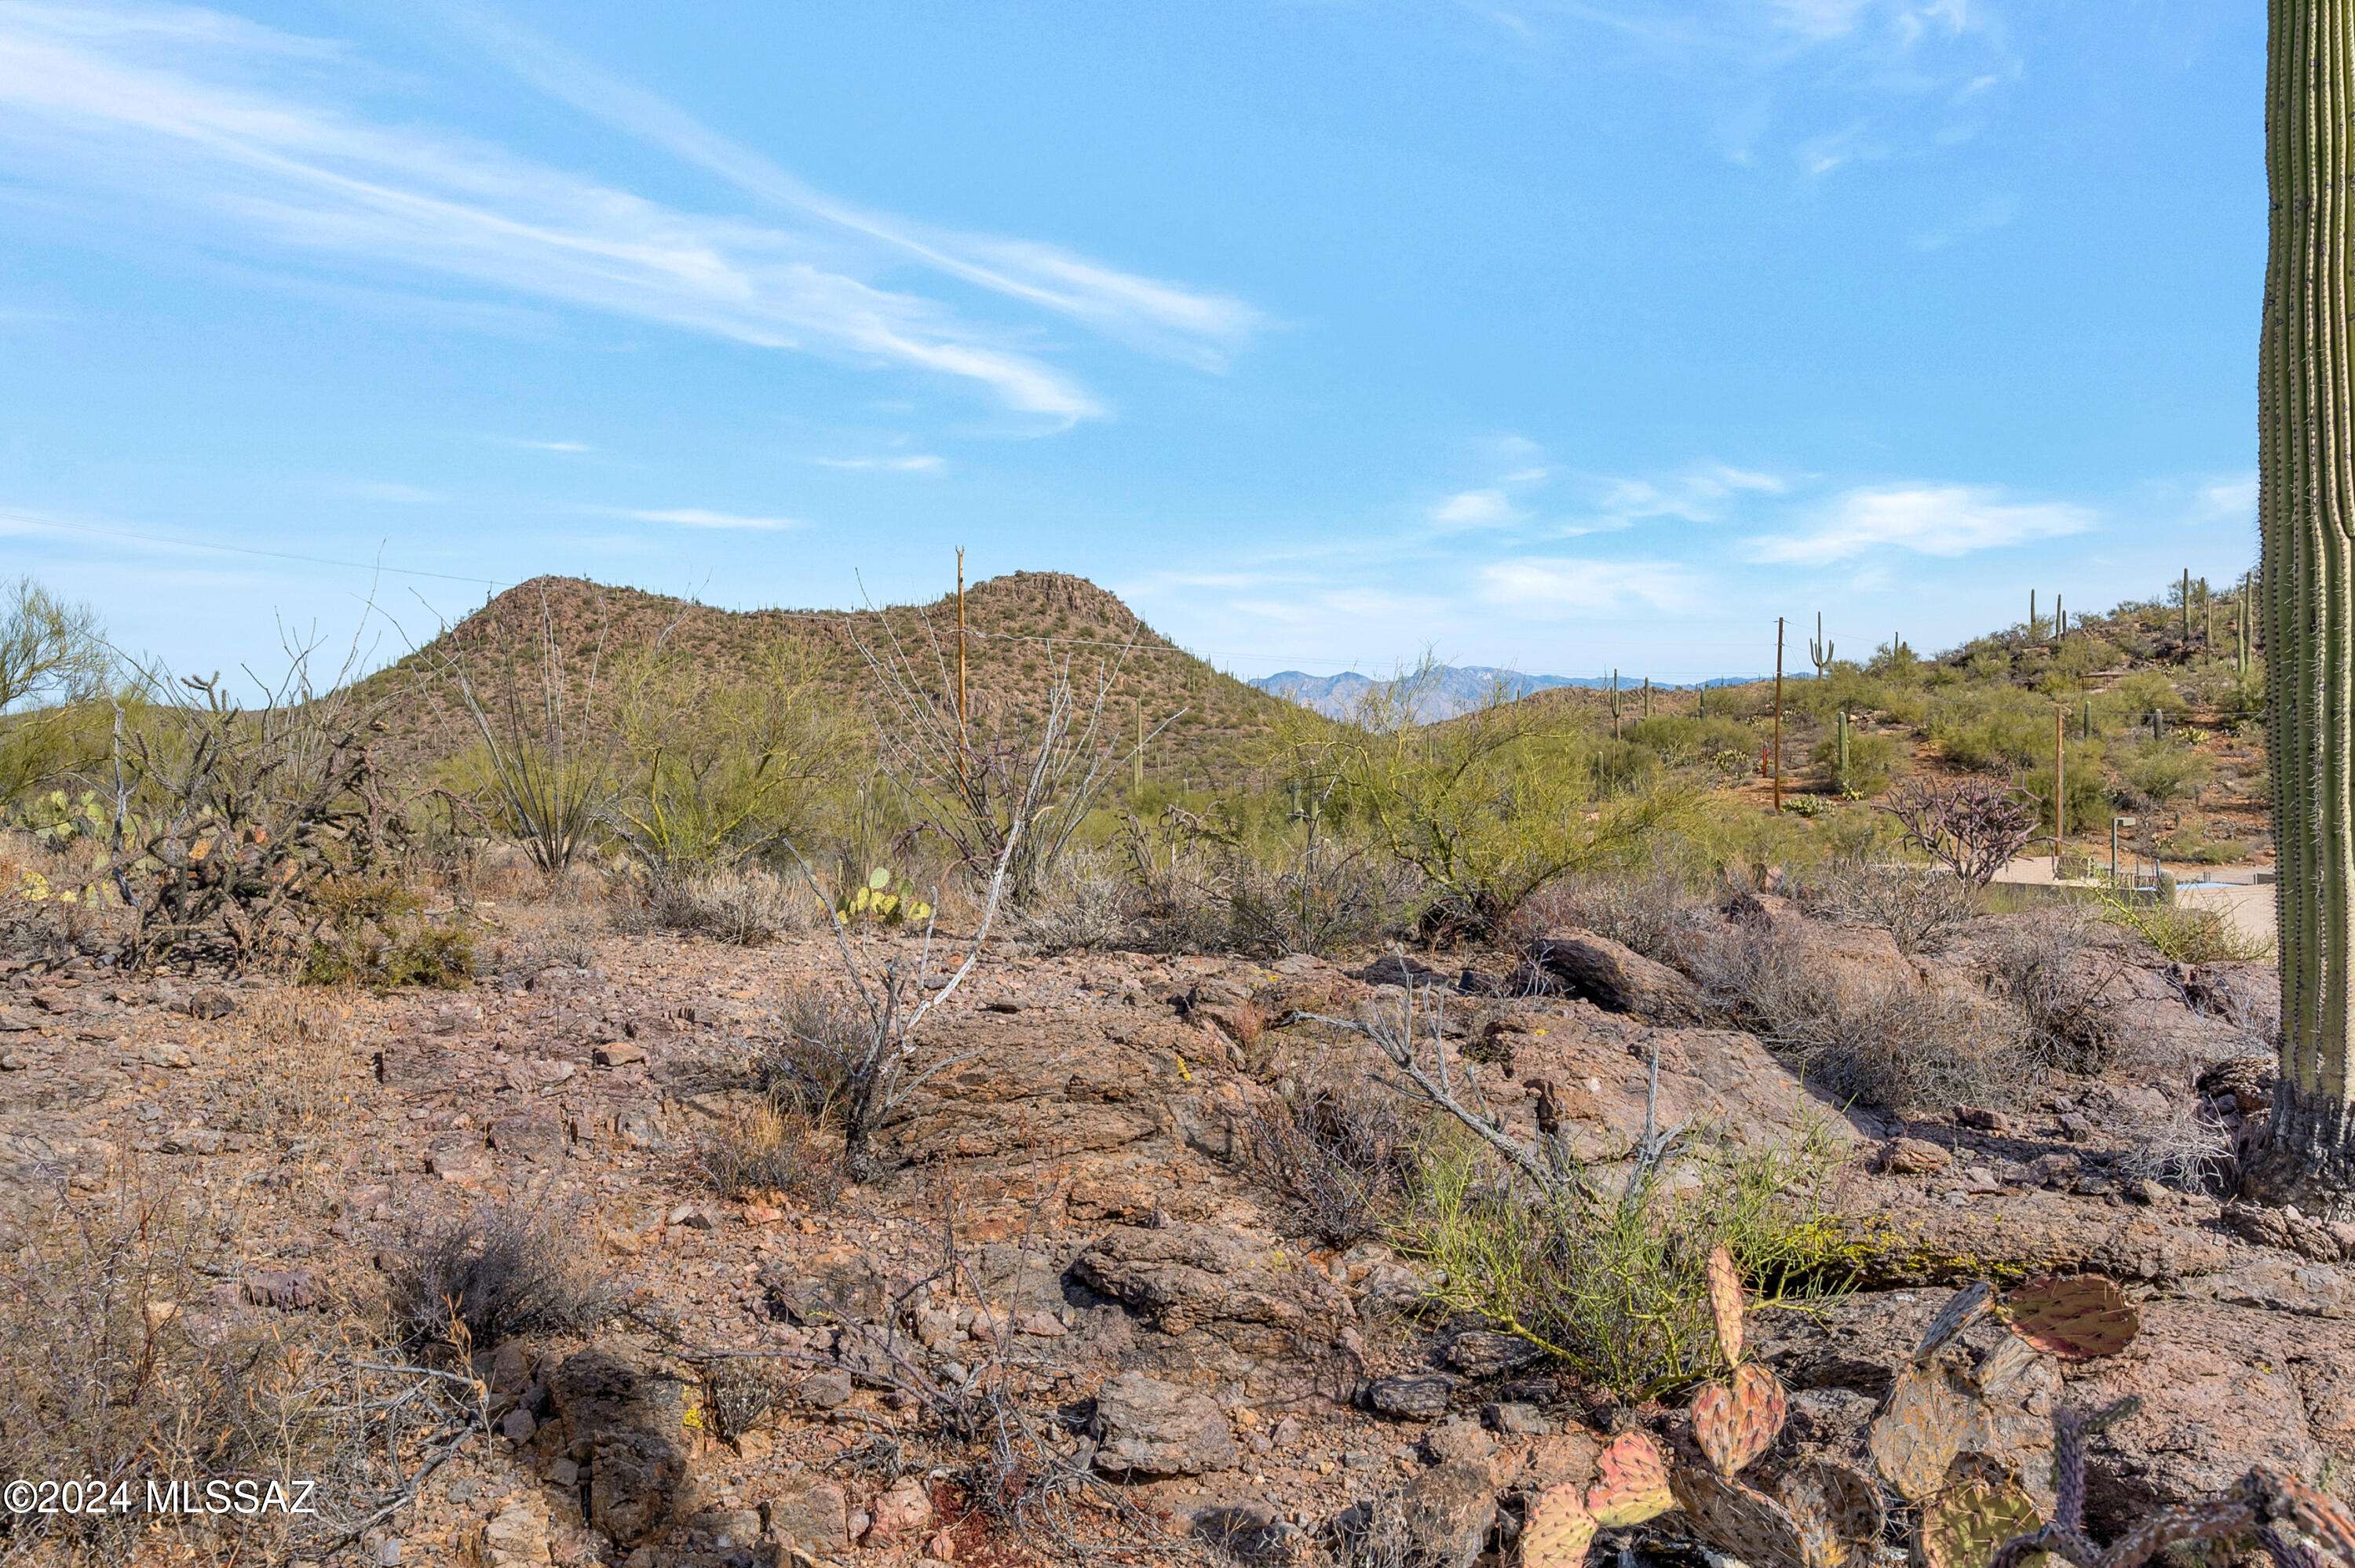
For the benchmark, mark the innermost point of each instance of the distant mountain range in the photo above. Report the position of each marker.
(1444, 692)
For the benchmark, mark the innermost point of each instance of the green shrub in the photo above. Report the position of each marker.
(1490, 807)
(1614, 1288)
(1682, 740)
(2089, 797)
(1874, 761)
(2157, 772)
(2185, 934)
(376, 935)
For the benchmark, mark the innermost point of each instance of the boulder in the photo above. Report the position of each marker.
(1182, 1276)
(623, 1422)
(1617, 977)
(1146, 1427)
(1450, 1511)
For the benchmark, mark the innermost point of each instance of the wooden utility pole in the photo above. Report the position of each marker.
(1778, 716)
(2060, 785)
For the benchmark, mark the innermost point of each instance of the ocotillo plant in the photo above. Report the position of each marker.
(1819, 652)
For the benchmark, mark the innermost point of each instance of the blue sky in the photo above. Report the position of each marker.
(1564, 335)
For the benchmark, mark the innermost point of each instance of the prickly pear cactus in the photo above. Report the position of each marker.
(1963, 1308)
(1738, 1420)
(1739, 1520)
(1964, 1522)
(1920, 1429)
(1559, 1530)
(1632, 1482)
(2075, 1319)
(1836, 1507)
(1725, 1304)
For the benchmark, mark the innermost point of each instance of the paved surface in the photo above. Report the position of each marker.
(2248, 904)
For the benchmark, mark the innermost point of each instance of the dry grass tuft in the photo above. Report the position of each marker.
(1336, 1148)
(1887, 1042)
(770, 1153)
(746, 906)
(472, 1281)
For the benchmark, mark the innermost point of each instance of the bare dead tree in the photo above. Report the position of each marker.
(1971, 826)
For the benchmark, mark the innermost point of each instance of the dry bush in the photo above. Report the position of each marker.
(1334, 1146)
(1887, 1042)
(2061, 970)
(125, 1359)
(770, 1151)
(1971, 826)
(1650, 908)
(1923, 908)
(1326, 898)
(547, 938)
(748, 905)
(2191, 1151)
(474, 1280)
(1201, 886)
(1083, 903)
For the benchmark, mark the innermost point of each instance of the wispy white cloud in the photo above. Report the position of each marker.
(1942, 520)
(1195, 324)
(916, 462)
(2230, 499)
(1702, 493)
(569, 449)
(1563, 585)
(240, 127)
(1828, 82)
(391, 491)
(1488, 508)
(697, 517)
(1980, 218)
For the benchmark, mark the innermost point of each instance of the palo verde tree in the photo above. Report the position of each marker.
(2305, 465)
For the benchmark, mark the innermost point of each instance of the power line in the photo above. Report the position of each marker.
(248, 550)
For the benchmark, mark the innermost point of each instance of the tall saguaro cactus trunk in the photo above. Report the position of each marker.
(2305, 462)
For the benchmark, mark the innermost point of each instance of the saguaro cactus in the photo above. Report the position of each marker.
(1819, 652)
(2305, 591)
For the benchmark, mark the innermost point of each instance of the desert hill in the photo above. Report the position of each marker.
(1020, 629)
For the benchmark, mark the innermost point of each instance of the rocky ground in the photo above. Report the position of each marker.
(1182, 1367)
